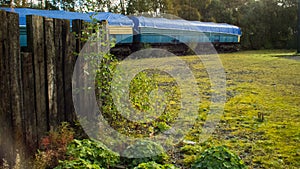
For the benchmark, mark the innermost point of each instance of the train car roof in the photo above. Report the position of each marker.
(162, 23)
(179, 24)
(217, 27)
(113, 19)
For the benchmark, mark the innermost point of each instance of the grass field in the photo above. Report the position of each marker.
(261, 120)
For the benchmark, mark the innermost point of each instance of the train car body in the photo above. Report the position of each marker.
(119, 26)
(219, 32)
(179, 33)
(224, 37)
(161, 30)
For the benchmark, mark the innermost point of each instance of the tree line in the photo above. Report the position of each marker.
(266, 24)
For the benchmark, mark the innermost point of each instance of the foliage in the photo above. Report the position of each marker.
(189, 13)
(4, 164)
(154, 165)
(218, 157)
(18, 164)
(150, 104)
(266, 24)
(54, 147)
(143, 152)
(89, 154)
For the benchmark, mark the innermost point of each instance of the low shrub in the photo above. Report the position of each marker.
(143, 152)
(90, 154)
(218, 157)
(54, 147)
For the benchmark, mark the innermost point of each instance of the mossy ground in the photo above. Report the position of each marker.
(261, 118)
(258, 82)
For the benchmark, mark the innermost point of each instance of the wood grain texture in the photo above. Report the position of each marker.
(15, 79)
(35, 36)
(51, 72)
(30, 128)
(6, 138)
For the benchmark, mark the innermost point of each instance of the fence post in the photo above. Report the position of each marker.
(15, 79)
(30, 129)
(77, 27)
(6, 140)
(69, 63)
(35, 41)
(51, 72)
(11, 112)
(58, 42)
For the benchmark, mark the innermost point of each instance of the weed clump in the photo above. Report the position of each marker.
(218, 157)
(143, 152)
(88, 153)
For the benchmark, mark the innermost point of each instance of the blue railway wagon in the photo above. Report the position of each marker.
(150, 35)
(161, 30)
(219, 32)
(175, 34)
(119, 26)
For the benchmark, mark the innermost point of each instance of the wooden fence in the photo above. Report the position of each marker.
(35, 89)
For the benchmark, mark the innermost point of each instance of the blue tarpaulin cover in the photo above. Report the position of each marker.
(217, 27)
(177, 24)
(113, 19)
(162, 23)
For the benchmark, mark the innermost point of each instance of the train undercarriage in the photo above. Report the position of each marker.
(179, 49)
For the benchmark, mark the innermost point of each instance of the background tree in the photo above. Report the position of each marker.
(189, 13)
(268, 24)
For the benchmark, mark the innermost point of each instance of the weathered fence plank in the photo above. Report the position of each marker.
(2, 74)
(77, 27)
(35, 36)
(6, 139)
(15, 78)
(58, 33)
(2, 86)
(30, 130)
(51, 72)
(69, 62)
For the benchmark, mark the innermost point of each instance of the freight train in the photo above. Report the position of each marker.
(136, 32)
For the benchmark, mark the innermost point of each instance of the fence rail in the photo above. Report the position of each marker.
(35, 86)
